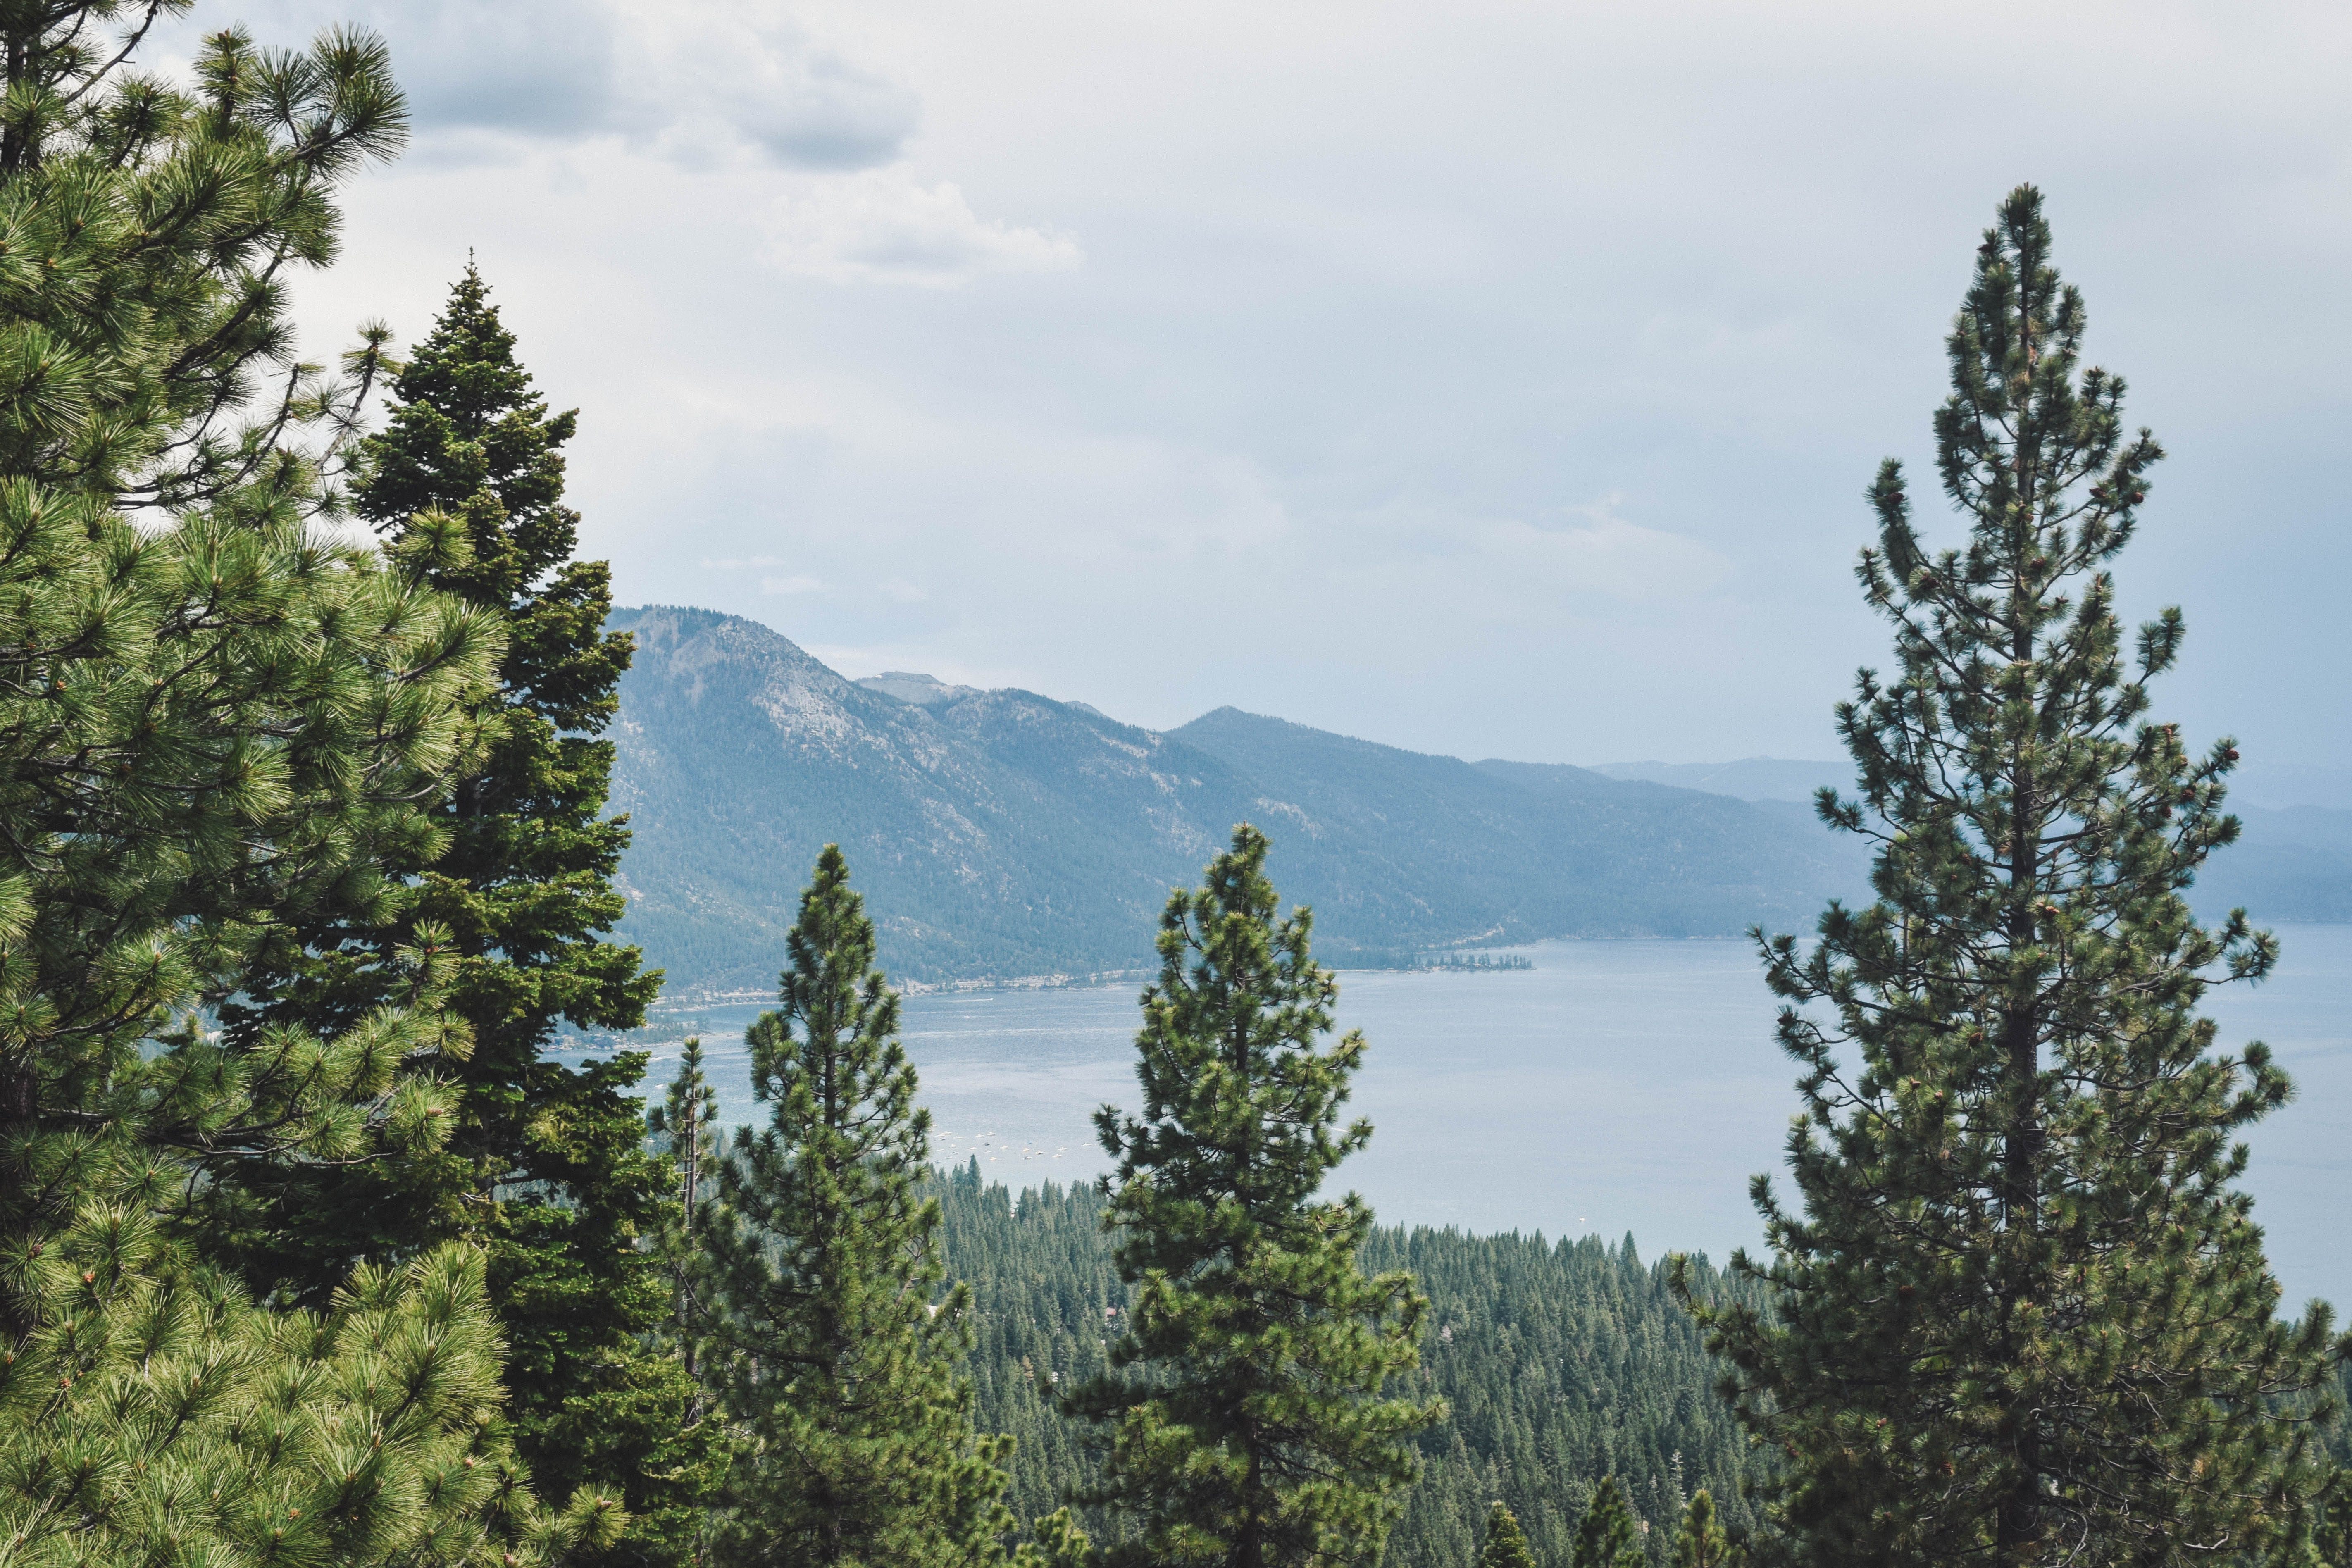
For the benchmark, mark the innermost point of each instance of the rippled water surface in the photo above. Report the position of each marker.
(1618, 1086)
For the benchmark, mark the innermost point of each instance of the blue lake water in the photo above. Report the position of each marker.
(1616, 1087)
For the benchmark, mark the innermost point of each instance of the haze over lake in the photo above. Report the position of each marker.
(1617, 1086)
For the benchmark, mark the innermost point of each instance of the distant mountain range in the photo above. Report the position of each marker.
(1003, 834)
(2255, 785)
(2293, 861)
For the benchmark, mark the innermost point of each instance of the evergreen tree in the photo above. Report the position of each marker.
(2331, 1542)
(686, 1124)
(210, 723)
(823, 1288)
(1254, 1434)
(544, 1164)
(154, 1415)
(1609, 1536)
(684, 1127)
(2024, 1315)
(1507, 1543)
(1700, 1540)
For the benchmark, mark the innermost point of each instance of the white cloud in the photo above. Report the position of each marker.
(794, 584)
(739, 564)
(699, 82)
(883, 227)
(899, 591)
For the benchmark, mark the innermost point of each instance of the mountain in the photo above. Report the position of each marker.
(2282, 787)
(1005, 833)
(1397, 847)
(2289, 865)
(992, 833)
(2293, 862)
(1749, 778)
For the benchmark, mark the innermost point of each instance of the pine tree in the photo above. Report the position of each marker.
(1608, 1536)
(685, 1125)
(1253, 1433)
(823, 1286)
(686, 1128)
(1507, 1544)
(1700, 1540)
(544, 1164)
(154, 1415)
(2023, 1316)
(2331, 1542)
(210, 723)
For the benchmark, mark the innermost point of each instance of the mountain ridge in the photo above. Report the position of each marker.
(1004, 834)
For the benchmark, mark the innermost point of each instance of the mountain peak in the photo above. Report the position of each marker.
(922, 691)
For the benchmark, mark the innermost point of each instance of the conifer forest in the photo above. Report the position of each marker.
(314, 1251)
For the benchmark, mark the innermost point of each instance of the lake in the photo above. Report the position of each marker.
(1617, 1086)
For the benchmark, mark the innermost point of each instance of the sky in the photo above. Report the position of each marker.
(1498, 379)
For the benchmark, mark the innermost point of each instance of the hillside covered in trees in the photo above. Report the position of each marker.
(1560, 1361)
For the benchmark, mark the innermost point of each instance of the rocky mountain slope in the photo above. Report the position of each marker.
(1004, 834)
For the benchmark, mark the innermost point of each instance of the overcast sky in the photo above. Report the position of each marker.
(1498, 379)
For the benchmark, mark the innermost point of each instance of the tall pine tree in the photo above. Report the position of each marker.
(2024, 1315)
(686, 1126)
(1252, 1431)
(545, 1165)
(823, 1290)
(210, 723)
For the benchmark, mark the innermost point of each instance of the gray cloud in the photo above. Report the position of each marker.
(826, 113)
(1376, 306)
(695, 81)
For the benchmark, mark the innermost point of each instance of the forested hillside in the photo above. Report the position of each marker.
(1003, 832)
(1562, 1361)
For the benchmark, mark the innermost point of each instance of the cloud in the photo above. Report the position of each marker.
(794, 584)
(693, 81)
(883, 227)
(721, 85)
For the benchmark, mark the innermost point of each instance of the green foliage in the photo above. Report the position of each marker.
(544, 1164)
(152, 231)
(220, 717)
(1507, 1544)
(1700, 1540)
(1561, 1363)
(2023, 1316)
(211, 724)
(684, 1127)
(836, 1362)
(152, 1415)
(1256, 1433)
(1608, 1535)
